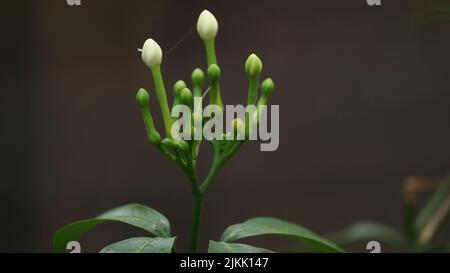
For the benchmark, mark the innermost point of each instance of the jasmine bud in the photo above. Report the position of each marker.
(143, 100)
(214, 75)
(253, 65)
(207, 25)
(198, 77)
(267, 88)
(253, 68)
(151, 53)
(207, 28)
(186, 97)
(177, 87)
(213, 72)
(152, 57)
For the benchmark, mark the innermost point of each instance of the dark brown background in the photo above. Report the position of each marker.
(364, 99)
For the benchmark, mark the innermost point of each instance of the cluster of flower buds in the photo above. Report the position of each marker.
(185, 152)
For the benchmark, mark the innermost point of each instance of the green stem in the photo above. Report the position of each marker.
(252, 90)
(215, 168)
(210, 52)
(162, 98)
(200, 191)
(198, 201)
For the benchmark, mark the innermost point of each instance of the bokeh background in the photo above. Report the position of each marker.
(363, 93)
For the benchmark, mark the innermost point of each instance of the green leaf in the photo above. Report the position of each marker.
(367, 231)
(436, 210)
(141, 245)
(272, 226)
(133, 214)
(221, 247)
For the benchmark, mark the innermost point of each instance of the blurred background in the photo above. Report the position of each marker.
(363, 93)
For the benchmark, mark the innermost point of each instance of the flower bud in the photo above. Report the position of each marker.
(253, 68)
(253, 65)
(142, 97)
(214, 73)
(267, 87)
(214, 93)
(178, 86)
(151, 53)
(198, 77)
(207, 25)
(186, 96)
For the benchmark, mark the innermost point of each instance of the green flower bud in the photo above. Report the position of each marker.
(142, 97)
(213, 73)
(253, 66)
(143, 100)
(186, 97)
(267, 87)
(177, 87)
(198, 77)
(214, 93)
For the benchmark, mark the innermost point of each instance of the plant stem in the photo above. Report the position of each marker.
(198, 201)
(215, 168)
(198, 194)
(200, 191)
(210, 52)
(162, 98)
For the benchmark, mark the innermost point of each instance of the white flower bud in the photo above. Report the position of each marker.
(207, 25)
(151, 53)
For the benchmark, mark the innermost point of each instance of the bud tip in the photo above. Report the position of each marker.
(151, 53)
(142, 97)
(253, 65)
(207, 25)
